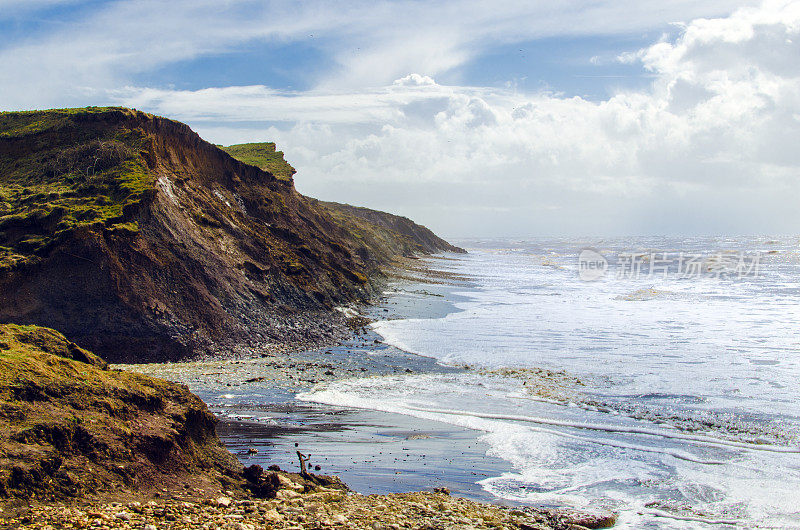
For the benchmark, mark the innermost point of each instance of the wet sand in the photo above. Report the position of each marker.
(373, 452)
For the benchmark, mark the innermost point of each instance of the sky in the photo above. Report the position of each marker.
(477, 119)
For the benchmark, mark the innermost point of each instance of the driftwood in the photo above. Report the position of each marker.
(303, 460)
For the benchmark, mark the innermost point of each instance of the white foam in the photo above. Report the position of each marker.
(554, 465)
(705, 440)
(705, 520)
(719, 350)
(349, 312)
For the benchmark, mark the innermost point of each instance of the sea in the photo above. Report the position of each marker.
(658, 378)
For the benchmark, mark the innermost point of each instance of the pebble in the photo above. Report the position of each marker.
(309, 510)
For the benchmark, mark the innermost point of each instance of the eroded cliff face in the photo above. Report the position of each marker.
(421, 239)
(139, 240)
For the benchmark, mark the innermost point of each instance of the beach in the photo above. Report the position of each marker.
(523, 392)
(263, 422)
(294, 510)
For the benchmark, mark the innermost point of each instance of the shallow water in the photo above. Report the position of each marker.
(674, 400)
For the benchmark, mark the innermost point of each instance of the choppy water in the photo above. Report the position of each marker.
(673, 400)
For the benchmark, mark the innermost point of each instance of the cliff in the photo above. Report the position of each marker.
(380, 230)
(376, 222)
(137, 239)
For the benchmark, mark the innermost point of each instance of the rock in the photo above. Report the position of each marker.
(286, 495)
(253, 473)
(272, 516)
(594, 520)
(223, 501)
(290, 484)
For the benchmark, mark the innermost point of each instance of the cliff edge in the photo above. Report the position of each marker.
(140, 241)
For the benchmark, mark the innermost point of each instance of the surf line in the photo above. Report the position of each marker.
(659, 513)
(619, 445)
(704, 440)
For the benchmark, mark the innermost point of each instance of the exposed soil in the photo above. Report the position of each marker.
(137, 239)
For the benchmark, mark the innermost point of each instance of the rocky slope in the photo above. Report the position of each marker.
(137, 239)
(70, 428)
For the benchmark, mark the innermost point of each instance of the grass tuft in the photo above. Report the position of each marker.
(264, 156)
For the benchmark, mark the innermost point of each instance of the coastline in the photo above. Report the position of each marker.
(403, 473)
(382, 449)
(261, 418)
(182, 268)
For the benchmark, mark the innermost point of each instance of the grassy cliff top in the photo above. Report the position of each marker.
(20, 347)
(15, 124)
(264, 156)
(66, 168)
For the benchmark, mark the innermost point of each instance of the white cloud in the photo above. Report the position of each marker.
(370, 43)
(710, 147)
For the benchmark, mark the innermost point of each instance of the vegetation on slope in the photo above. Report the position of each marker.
(80, 174)
(69, 427)
(264, 156)
(376, 227)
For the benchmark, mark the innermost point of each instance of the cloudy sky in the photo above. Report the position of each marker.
(517, 118)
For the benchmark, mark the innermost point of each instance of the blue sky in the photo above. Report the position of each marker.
(529, 118)
(582, 65)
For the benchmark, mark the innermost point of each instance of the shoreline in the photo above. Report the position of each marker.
(374, 452)
(390, 489)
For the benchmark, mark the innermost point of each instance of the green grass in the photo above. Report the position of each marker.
(19, 124)
(64, 169)
(262, 155)
(22, 348)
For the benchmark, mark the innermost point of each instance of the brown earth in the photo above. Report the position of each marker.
(139, 240)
